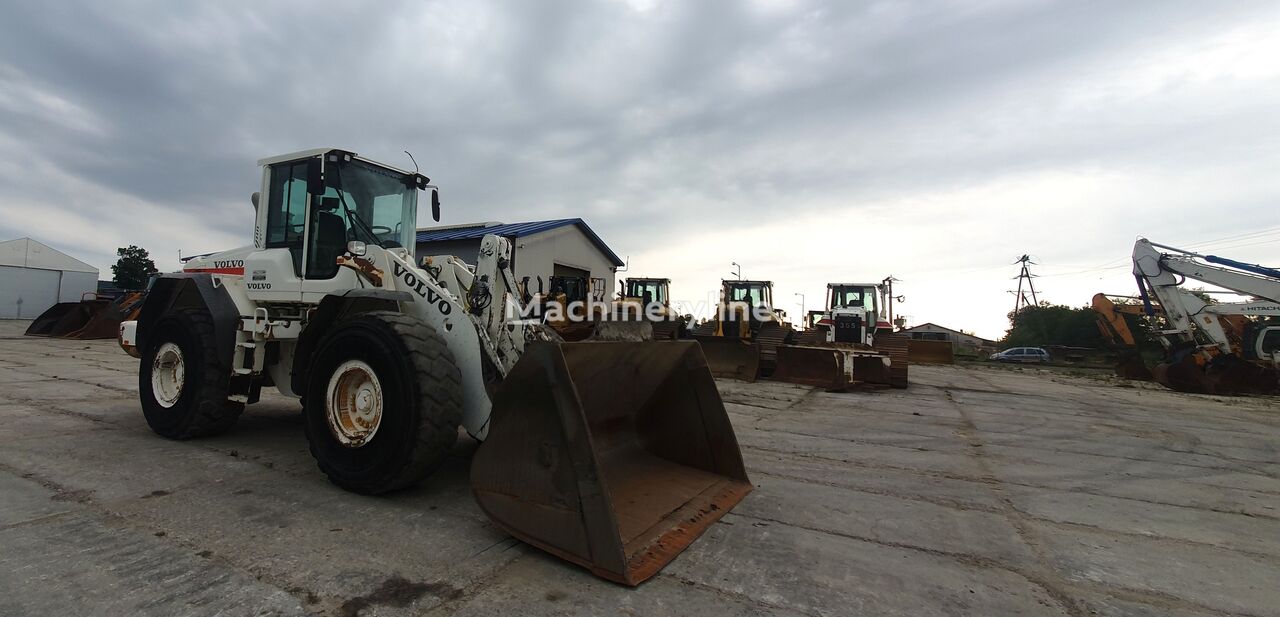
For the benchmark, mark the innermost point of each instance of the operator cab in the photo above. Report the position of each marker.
(649, 291)
(854, 308)
(853, 296)
(321, 205)
(753, 293)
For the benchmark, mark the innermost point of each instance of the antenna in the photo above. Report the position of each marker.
(415, 161)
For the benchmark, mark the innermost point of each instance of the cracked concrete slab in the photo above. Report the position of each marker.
(977, 491)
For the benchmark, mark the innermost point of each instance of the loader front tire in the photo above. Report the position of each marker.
(383, 402)
(181, 384)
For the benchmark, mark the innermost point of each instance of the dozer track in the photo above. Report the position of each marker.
(897, 347)
(770, 335)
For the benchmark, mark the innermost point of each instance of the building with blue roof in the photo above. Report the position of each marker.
(542, 249)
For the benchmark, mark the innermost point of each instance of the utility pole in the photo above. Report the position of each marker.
(1025, 285)
(803, 315)
(887, 285)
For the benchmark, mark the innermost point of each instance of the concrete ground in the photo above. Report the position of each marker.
(974, 492)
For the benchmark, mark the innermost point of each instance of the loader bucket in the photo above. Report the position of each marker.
(1185, 375)
(731, 357)
(105, 323)
(66, 318)
(612, 455)
(1129, 365)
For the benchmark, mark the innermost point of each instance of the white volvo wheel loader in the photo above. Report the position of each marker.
(613, 455)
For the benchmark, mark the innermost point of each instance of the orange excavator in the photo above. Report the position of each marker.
(1114, 328)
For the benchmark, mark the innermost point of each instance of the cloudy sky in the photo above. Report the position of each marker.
(809, 142)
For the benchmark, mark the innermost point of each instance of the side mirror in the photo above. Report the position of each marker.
(435, 205)
(357, 248)
(315, 178)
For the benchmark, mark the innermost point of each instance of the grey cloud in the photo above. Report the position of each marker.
(698, 113)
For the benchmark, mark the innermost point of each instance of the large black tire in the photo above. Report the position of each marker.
(422, 402)
(202, 408)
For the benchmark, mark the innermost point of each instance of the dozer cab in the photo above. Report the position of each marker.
(612, 455)
(742, 340)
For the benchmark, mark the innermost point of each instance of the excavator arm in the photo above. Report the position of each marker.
(1205, 341)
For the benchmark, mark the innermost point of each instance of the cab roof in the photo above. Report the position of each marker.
(314, 152)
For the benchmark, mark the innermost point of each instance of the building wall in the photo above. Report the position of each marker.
(27, 292)
(537, 254)
(962, 340)
(468, 250)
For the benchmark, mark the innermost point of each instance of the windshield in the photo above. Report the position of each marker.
(656, 290)
(377, 204)
(756, 294)
(854, 297)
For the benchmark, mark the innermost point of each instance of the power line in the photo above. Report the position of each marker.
(1232, 238)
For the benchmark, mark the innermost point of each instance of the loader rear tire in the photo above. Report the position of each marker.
(405, 366)
(181, 383)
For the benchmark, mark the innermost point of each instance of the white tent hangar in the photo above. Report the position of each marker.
(35, 276)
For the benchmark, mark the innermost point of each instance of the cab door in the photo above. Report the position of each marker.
(274, 273)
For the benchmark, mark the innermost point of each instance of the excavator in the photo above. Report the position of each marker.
(614, 455)
(742, 340)
(1116, 331)
(1214, 348)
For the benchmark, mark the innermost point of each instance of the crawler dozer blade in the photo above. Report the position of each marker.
(612, 455)
(825, 367)
(731, 357)
(832, 368)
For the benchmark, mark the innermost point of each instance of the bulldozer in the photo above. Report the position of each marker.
(650, 299)
(612, 455)
(742, 340)
(565, 305)
(847, 343)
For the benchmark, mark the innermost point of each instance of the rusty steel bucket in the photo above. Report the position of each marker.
(930, 352)
(731, 357)
(612, 455)
(65, 318)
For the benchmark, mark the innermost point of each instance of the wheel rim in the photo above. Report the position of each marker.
(168, 372)
(353, 404)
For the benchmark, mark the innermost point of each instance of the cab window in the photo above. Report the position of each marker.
(286, 209)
